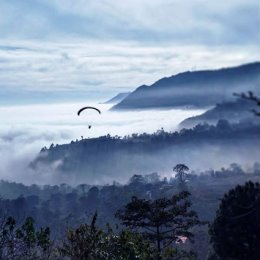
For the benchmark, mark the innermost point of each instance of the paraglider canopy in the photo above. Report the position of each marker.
(83, 108)
(91, 108)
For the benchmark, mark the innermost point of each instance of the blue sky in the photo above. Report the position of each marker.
(70, 50)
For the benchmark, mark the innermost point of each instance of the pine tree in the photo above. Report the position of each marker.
(162, 221)
(235, 232)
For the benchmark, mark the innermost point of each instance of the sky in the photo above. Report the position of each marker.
(65, 50)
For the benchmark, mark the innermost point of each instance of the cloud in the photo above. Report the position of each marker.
(34, 72)
(18, 146)
(197, 21)
(95, 48)
(154, 21)
(26, 129)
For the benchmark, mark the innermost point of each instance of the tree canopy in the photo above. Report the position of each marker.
(162, 221)
(235, 232)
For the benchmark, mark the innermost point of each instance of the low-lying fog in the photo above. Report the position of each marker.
(24, 130)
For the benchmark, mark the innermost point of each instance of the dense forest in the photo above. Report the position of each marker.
(61, 206)
(234, 111)
(106, 158)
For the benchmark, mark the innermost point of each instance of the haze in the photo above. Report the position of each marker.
(57, 55)
(26, 129)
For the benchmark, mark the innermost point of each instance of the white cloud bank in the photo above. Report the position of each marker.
(24, 130)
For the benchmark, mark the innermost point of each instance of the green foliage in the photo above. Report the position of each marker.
(90, 242)
(24, 242)
(127, 246)
(173, 253)
(83, 242)
(161, 221)
(235, 232)
(52, 206)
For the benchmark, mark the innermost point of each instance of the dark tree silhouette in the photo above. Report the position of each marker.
(90, 242)
(83, 242)
(137, 179)
(235, 232)
(250, 96)
(25, 242)
(181, 172)
(162, 221)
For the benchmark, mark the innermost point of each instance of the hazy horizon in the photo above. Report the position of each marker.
(26, 129)
(58, 55)
(76, 186)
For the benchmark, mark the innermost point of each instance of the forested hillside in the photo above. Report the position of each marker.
(194, 88)
(107, 158)
(61, 206)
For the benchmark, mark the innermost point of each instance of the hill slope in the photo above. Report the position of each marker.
(107, 158)
(118, 98)
(194, 89)
(234, 112)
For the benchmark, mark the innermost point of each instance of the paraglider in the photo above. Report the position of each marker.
(84, 108)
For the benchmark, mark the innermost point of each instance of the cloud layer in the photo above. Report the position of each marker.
(51, 72)
(24, 130)
(190, 22)
(89, 49)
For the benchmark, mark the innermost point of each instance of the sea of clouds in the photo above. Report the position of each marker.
(24, 130)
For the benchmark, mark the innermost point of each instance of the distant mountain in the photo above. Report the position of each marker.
(235, 112)
(118, 98)
(194, 89)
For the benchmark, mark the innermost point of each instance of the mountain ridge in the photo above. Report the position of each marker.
(194, 89)
(117, 98)
(236, 111)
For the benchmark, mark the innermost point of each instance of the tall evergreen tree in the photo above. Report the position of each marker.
(235, 232)
(162, 221)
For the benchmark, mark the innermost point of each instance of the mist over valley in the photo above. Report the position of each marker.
(129, 130)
